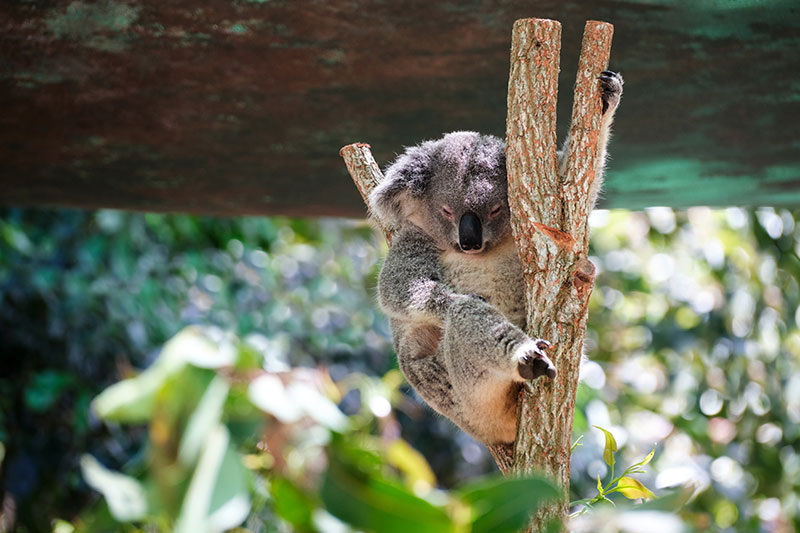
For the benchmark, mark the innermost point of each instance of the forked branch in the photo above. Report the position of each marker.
(549, 219)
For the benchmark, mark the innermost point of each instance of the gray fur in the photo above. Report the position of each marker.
(458, 318)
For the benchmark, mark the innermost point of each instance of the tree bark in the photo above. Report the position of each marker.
(549, 218)
(366, 175)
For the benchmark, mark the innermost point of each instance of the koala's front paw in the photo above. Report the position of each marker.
(611, 84)
(533, 361)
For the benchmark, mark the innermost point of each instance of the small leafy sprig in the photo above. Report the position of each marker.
(624, 484)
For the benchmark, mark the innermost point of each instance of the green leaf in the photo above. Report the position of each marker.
(599, 485)
(125, 496)
(368, 501)
(610, 447)
(217, 498)
(292, 504)
(648, 458)
(505, 504)
(133, 400)
(204, 419)
(633, 488)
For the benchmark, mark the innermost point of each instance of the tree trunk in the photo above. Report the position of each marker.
(549, 218)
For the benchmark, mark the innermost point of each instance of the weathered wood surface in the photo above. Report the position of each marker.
(239, 107)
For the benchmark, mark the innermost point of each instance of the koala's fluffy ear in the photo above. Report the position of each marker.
(405, 181)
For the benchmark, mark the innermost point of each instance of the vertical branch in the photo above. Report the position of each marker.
(549, 218)
(582, 156)
(531, 123)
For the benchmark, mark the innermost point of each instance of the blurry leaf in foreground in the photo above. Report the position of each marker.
(368, 501)
(505, 504)
(633, 488)
(218, 497)
(125, 496)
(292, 504)
(203, 421)
(195, 347)
(268, 394)
(132, 400)
(418, 474)
(317, 406)
(290, 403)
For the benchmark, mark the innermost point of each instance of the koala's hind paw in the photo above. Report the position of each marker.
(611, 84)
(533, 361)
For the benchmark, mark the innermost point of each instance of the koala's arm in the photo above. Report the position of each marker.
(611, 86)
(410, 286)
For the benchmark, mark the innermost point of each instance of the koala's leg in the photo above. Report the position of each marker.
(419, 356)
(487, 358)
(611, 86)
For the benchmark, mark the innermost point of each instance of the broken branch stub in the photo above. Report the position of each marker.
(366, 175)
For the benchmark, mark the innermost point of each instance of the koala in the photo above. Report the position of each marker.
(452, 282)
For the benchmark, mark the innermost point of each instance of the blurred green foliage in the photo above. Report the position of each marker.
(207, 400)
(693, 343)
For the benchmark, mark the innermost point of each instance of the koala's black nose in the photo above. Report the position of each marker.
(470, 236)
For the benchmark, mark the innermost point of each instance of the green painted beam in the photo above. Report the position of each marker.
(240, 107)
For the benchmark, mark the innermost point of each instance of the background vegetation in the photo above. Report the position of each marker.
(693, 343)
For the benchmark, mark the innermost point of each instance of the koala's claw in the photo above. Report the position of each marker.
(542, 344)
(534, 362)
(611, 85)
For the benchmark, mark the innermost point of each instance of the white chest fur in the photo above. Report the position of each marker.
(495, 275)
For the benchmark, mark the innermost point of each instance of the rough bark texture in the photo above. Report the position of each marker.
(585, 127)
(550, 218)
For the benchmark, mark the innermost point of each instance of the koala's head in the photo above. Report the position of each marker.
(455, 189)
